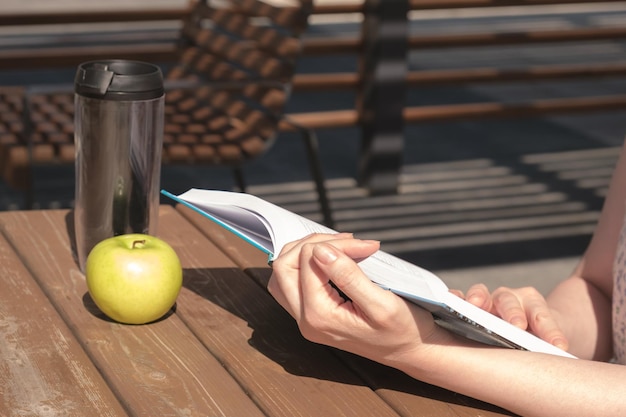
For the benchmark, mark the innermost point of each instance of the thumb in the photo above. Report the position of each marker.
(345, 273)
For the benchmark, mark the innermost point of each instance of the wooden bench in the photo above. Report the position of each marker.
(225, 90)
(382, 109)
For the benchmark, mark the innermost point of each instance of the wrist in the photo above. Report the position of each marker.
(440, 357)
(426, 357)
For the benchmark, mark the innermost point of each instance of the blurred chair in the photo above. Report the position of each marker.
(225, 96)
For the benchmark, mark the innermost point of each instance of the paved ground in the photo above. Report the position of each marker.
(503, 202)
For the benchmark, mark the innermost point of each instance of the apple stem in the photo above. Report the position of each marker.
(139, 243)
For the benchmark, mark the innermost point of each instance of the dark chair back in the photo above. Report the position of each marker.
(224, 96)
(240, 57)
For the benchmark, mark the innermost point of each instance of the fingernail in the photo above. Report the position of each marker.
(560, 343)
(477, 300)
(325, 254)
(518, 322)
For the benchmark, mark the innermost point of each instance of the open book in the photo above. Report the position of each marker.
(269, 227)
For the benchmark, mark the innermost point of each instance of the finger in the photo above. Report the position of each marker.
(351, 249)
(345, 273)
(507, 305)
(317, 283)
(542, 323)
(479, 295)
(284, 283)
(276, 291)
(313, 237)
(456, 292)
(316, 287)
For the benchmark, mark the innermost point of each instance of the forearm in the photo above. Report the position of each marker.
(379, 325)
(529, 384)
(584, 315)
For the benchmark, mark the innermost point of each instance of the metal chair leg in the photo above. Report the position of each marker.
(239, 178)
(29, 198)
(312, 146)
(316, 171)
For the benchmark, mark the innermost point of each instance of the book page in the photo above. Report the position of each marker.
(248, 226)
(391, 272)
(262, 223)
(270, 227)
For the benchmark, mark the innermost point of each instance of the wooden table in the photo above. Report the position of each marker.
(228, 349)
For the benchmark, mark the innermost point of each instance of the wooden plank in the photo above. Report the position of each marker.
(339, 7)
(257, 341)
(532, 73)
(454, 4)
(406, 395)
(503, 110)
(44, 369)
(334, 119)
(102, 16)
(424, 78)
(321, 120)
(353, 45)
(156, 369)
(57, 57)
(324, 82)
(321, 8)
(516, 38)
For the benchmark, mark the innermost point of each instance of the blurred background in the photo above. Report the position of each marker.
(502, 201)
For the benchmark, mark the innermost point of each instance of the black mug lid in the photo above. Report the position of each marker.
(119, 80)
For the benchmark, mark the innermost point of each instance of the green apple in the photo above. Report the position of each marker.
(133, 278)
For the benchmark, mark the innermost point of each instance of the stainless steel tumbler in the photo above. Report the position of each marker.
(118, 139)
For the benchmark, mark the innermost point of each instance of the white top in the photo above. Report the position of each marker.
(619, 299)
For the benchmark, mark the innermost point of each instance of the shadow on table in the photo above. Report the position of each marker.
(276, 336)
(92, 308)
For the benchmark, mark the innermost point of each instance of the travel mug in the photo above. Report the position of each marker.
(118, 138)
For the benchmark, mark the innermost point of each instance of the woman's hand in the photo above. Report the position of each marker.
(524, 307)
(371, 322)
